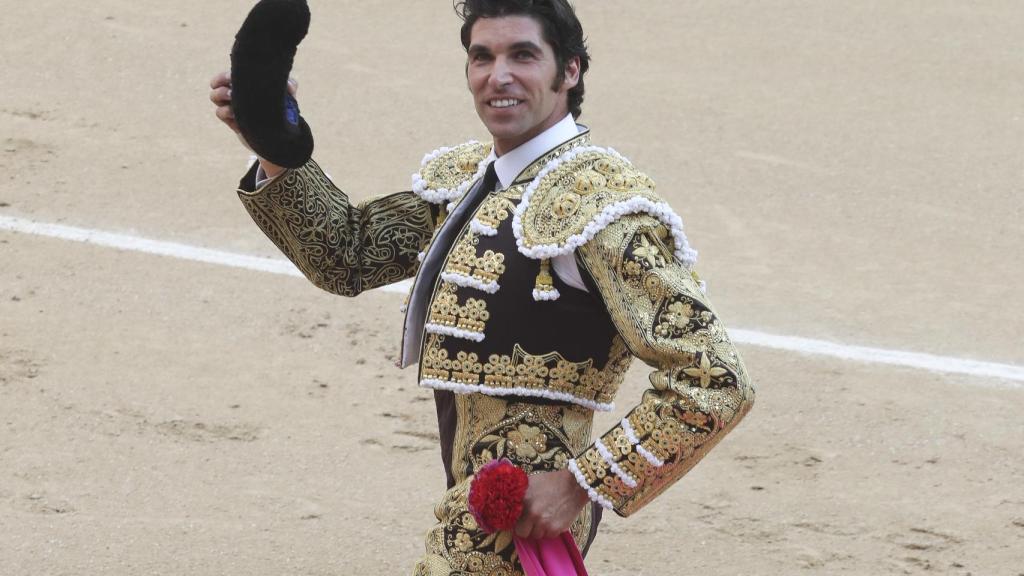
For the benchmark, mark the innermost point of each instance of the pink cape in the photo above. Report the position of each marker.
(551, 556)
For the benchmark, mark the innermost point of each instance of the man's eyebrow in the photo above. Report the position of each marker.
(526, 45)
(523, 45)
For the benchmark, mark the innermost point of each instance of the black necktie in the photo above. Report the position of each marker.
(432, 263)
(490, 179)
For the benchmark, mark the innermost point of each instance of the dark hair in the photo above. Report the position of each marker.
(559, 25)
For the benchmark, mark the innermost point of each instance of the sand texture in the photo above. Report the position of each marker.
(849, 171)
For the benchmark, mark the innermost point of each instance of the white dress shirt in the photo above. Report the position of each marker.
(509, 165)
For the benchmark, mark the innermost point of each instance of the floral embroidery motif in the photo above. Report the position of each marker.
(704, 372)
(701, 389)
(679, 316)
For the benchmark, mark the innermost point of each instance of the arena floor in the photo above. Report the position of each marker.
(850, 172)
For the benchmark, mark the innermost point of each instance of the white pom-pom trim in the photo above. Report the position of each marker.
(628, 429)
(582, 481)
(462, 388)
(403, 308)
(481, 229)
(549, 295)
(654, 460)
(437, 196)
(454, 332)
(631, 435)
(470, 282)
(421, 256)
(611, 213)
(610, 460)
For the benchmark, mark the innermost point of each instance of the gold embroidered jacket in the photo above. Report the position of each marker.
(632, 252)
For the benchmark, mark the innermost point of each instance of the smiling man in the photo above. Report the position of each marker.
(520, 87)
(543, 265)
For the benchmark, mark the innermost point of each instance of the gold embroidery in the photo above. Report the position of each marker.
(494, 211)
(544, 283)
(454, 167)
(637, 466)
(464, 260)
(570, 197)
(537, 438)
(446, 311)
(341, 247)
(701, 389)
(548, 372)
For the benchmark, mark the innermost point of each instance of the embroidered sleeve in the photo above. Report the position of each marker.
(700, 389)
(341, 247)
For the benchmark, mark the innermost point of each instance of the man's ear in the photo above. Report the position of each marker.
(572, 73)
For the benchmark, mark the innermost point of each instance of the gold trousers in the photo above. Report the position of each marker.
(535, 437)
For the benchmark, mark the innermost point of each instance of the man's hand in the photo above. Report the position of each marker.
(552, 502)
(220, 95)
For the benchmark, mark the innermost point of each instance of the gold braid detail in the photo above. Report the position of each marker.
(341, 248)
(572, 196)
(700, 390)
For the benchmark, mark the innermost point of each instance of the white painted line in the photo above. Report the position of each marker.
(931, 362)
(944, 364)
(161, 248)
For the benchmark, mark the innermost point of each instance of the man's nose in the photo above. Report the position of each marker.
(501, 74)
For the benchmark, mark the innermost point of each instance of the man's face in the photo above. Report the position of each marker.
(511, 73)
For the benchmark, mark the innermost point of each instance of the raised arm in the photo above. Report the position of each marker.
(341, 247)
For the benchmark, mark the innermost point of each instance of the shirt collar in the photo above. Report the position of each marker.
(513, 162)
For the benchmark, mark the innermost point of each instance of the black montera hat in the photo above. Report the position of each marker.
(261, 59)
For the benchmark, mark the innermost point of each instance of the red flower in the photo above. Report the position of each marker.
(496, 495)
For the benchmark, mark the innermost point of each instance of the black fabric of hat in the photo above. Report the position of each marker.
(261, 59)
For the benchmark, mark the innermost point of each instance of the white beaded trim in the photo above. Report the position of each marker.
(470, 282)
(628, 429)
(610, 460)
(631, 435)
(454, 332)
(654, 460)
(436, 196)
(611, 213)
(481, 229)
(582, 481)
(542, 295)
(463, 388)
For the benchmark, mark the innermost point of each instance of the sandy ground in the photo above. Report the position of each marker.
(850, 171)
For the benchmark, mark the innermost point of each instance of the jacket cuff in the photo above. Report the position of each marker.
(616, 465)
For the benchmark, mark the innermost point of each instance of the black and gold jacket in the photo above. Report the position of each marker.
(500, 323)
